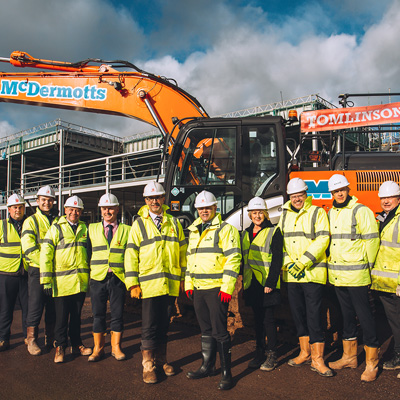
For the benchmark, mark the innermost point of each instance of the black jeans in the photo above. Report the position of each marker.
(211, 314)
(155, 321)
(100, 291)
(68, 319)
(391, 304)
(354, 303)
(305, 301)
(265, 325)
(12, 288)
(38, 301)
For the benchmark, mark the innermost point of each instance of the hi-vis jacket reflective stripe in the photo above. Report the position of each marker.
(305, 240)
(257, 257)
(354, 244)
(34, 230)
(155, 260)
(385, 274)
(63, 259)
(105, 256)
(213, 257)
(10, 249)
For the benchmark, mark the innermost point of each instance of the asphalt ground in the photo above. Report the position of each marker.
(23, 376)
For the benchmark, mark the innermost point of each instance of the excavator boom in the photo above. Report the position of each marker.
(100, 89)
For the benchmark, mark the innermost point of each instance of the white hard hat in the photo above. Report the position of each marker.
(15, 200)
(47, 191)
(108, 200)
(337, 182)
(205, 199)
(256, 203)
(74, 201)
(296, 185)
(389, 189)
(153, 189)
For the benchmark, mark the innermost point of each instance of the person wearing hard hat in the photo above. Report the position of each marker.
(13, 269)
(64, 272)
(353, 248)
(107, 277)
(262, 250)
(385, 273)
(305, 230)
(33, 232)
(155, 264)
(214, 258)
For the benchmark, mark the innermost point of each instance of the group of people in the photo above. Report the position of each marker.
(50, 262)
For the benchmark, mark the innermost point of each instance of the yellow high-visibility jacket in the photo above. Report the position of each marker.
(305, 240)
(63, 259)
(10, 249)
(385, 273)
(354, 244)
(34, 230)
(257, 257)
(213, 257)
(155, 260)
(105, 256)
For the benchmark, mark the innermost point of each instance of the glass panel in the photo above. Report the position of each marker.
(208, 158)
(262, 156)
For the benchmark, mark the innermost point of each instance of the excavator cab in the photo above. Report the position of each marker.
(235, 159)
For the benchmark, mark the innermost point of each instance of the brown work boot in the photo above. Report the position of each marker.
(149, 369)
(317, 358)
(116, 351)
(98, 349)
(81, 350)
(31, 338)
(349, 357)
(161, 360)
(371, 360)
(59, 357)
(49, 336)
(304, 356)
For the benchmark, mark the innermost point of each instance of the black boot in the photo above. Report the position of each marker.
(259, 358)
(270, 362)
(209, 353)
(394, 363)
(224, 349)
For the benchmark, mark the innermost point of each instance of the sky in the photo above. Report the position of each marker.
(229, 54)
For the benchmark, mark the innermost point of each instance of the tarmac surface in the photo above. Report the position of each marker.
(23, 376)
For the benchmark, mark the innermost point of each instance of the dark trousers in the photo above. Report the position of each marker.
(68, 319)
(391, 304)
(265, 325)
(100, 291)
(305, 301)
(211, 313)
(12, 288)
(155, 321)
(38, 301)
(354, 303)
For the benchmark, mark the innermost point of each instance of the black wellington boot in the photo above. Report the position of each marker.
(209, 353)
(224, 349)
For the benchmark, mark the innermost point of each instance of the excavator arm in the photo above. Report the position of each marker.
(102, 89)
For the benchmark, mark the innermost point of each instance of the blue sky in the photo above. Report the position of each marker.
(228, 54)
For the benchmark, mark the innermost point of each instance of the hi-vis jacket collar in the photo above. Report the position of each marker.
(215, 223)
(144, 211)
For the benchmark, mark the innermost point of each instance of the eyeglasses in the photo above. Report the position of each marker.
(154, 198)
(299, 196)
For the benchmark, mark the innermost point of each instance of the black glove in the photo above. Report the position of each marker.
(48, 291)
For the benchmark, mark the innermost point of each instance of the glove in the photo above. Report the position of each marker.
(189, 294)
(398, 291)
(136, 292)
(47, 290)
(297, 270)
(224, 297)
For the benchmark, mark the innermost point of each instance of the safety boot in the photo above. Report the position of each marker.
(317, 360)
(371, 360)
(161, 360)
(259, 358)
(4, 345)
(149, 369)
(224, 349)
(49, 336)
(271, 361)
(98, 349)
(31, 338)
(59, 356)
(116, 351)
(81, 350)
(394, 363)
(349, 357)
(304, 356)
(209, 353)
